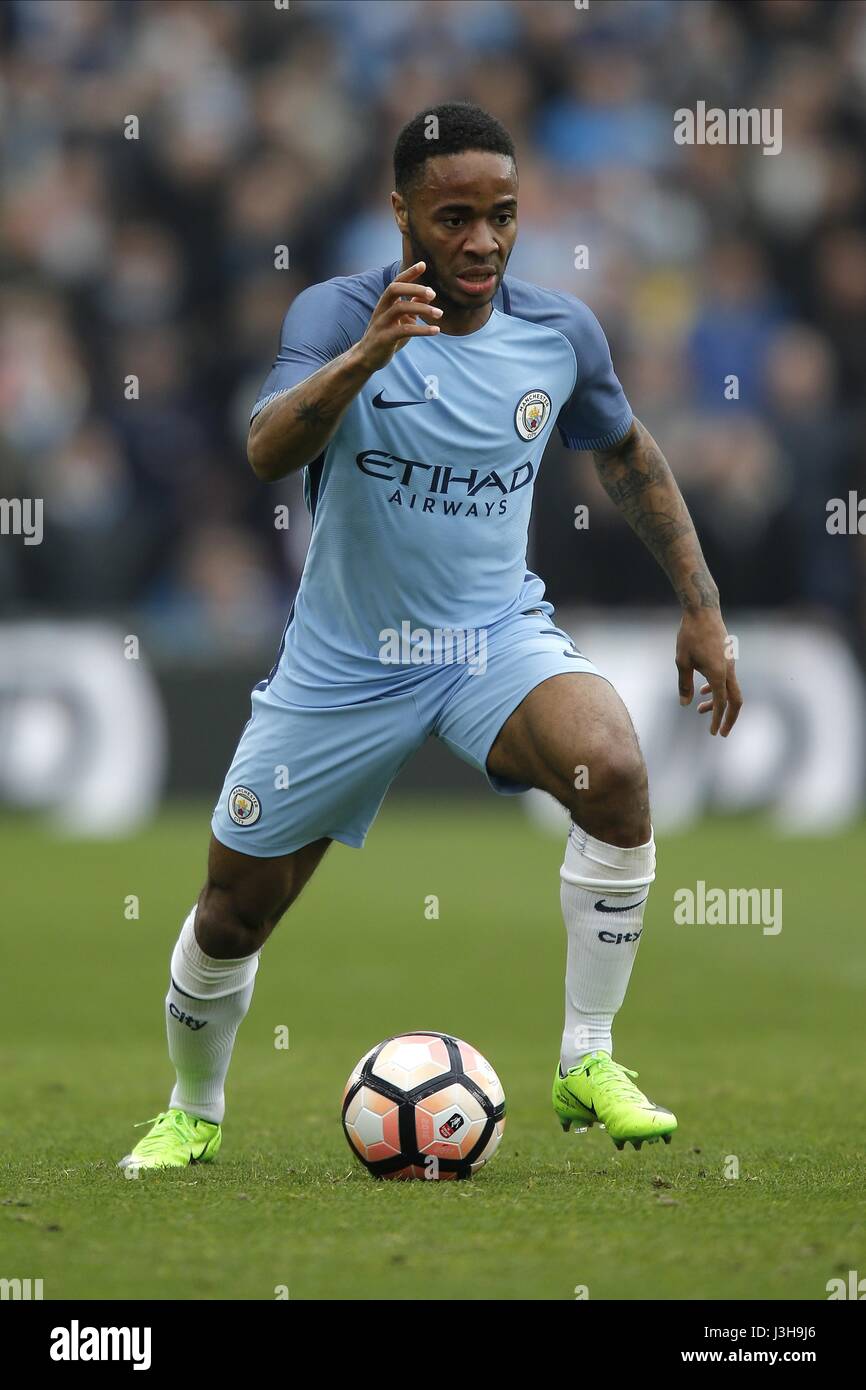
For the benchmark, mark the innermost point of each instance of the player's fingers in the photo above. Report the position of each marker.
(397, 331)
(416, 330)
(720, 697)
(413, 308)
(686, 681)
(410, 273)
(405, 281)
(735, 702)
(401, 289)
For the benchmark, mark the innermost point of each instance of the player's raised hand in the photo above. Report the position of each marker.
(703, 645)
(395, 318)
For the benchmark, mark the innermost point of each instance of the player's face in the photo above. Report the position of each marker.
(462, 220)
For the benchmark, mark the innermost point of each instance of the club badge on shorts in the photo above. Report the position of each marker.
(532, 414)
(244, 806)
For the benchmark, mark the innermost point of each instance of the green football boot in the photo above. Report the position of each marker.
(600, 1092)
(176, 1140)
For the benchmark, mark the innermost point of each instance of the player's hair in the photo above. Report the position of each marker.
(458, 126)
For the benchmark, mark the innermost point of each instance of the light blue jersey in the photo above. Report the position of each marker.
(421, 507)
(421, 501)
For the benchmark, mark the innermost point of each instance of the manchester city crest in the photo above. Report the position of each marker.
(532, 414)
(244, 806)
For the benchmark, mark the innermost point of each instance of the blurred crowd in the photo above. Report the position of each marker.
(156, 152)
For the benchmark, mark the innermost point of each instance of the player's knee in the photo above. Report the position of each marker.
(620, 774)
(610, 799)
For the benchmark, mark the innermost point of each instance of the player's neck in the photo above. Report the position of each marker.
(458, 323)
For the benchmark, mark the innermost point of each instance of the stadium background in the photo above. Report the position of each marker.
(261, 128)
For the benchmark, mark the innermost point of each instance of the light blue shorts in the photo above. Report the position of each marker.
(301, 772)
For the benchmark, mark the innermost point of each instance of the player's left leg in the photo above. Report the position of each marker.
(572, 737)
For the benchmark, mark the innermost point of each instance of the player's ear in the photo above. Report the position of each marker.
(401, 213)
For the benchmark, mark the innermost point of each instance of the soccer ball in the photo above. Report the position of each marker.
(423, 1105)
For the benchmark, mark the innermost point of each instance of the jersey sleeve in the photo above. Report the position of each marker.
(317, 328)
(596, 414)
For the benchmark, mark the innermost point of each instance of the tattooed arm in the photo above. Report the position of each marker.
(637, 478)
(295, 427)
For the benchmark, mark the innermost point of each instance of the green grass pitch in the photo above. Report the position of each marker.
(752, 1039)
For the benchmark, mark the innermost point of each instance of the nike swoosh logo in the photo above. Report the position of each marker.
(601, 906)
(381, 404)
(587, 1105)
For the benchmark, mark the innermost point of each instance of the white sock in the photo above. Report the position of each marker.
(601, 945)
(206, 1003)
